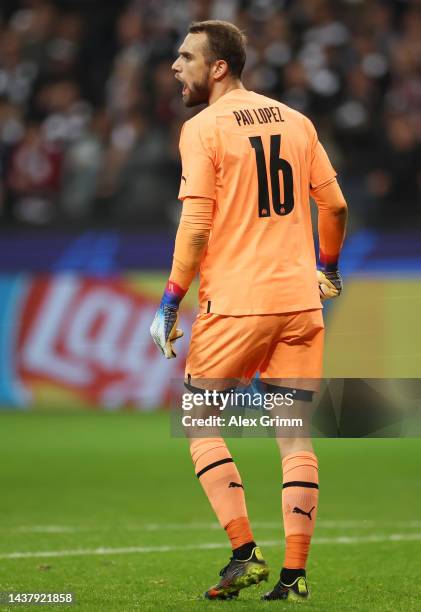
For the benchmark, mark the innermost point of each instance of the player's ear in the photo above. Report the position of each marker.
(220, 69)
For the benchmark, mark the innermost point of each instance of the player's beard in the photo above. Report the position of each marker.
(198, 92)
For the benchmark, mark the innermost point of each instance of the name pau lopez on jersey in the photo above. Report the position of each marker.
(255, 116)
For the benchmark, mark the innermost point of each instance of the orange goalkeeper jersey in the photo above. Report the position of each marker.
(258, 160)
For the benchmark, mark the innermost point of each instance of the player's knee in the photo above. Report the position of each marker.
(293, 445)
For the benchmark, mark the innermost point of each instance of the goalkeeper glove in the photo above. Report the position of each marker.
(330, 284)
(164, 329)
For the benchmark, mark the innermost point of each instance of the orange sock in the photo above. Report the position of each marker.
(300, 494)
(221, 482)
(239, 532)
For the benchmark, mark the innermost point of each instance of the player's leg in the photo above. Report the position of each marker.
(221, 481)
(218, 474)
(300, 499)
(220, 354)
(297, 358)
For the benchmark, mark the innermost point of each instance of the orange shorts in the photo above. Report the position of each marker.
(278, 346)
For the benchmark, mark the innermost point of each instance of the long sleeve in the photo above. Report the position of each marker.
(191, 240)
(333, 214)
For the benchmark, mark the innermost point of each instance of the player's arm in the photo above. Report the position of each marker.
(198, 194)
(191, 240)
(332, 216)
(333, 213)
(190, 246)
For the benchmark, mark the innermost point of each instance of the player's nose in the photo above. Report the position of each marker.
(175, 67)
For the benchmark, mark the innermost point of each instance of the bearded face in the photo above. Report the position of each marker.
(192, 69)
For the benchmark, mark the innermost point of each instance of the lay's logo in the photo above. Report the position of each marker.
(90, 337)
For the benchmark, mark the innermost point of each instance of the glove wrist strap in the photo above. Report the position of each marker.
(173, 294)
(328, 263)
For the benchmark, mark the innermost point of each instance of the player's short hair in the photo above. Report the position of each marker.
(225, 42)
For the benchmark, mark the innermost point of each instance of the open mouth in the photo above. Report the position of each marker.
(185, 89)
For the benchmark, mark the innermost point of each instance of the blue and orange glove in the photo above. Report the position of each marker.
(330, 281)
(164, 329)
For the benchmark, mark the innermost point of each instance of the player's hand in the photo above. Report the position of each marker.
(330, 284)
(164, 330)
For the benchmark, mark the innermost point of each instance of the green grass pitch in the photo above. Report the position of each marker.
(75, 483)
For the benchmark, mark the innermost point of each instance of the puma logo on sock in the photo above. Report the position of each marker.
(235, 484)
(298, 510)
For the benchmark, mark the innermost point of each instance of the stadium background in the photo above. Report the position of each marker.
(89, 122)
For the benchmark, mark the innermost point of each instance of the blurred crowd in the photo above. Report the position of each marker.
(90, 113)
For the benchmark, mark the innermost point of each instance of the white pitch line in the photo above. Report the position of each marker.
(46, 529)
(84, 552)
(321, 524)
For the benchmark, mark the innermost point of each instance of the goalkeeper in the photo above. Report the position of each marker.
(249, 166)
(190, 246)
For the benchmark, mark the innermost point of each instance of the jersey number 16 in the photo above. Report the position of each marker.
(277, 164)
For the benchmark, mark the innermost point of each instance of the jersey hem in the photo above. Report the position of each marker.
(232, 312)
